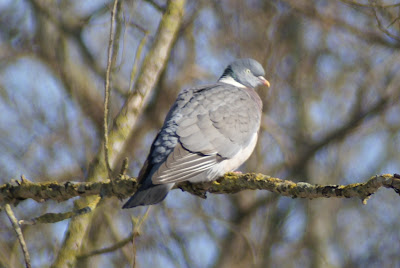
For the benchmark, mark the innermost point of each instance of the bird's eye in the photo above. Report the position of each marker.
(248, 71)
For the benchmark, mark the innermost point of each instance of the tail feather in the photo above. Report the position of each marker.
(149, 195)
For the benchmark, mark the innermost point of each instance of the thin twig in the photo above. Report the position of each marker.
(390, 24)
(114, 247)
(158, 7)
(117, 36)
(124, 166)
(136, 232)
(57, 217)
(380, 26)
(370, 5)
(107, 88)
(310, 12)
(18, 230)
(139, 27)
(119, 244)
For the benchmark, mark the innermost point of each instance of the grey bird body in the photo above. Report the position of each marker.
(208, 131)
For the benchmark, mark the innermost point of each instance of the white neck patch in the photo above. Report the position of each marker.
(229, 80)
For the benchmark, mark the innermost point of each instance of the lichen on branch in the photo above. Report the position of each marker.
(124, 186)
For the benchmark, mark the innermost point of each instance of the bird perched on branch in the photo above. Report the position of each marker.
(209, 130)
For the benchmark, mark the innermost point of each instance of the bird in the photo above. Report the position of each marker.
(209, 130)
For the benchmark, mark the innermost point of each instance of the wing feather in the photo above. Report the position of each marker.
(204, 127)
(181, 165)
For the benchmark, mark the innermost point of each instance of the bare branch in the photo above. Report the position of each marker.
(107, 86)
(370, 5)
(156, 5)
(380, 26)
(367, 35)
(114, 247)
(137, 224)
(56, 217)
(17, 229)
(353, 122)
(88, 99)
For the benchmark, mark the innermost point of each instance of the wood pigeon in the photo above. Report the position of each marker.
(208, 131)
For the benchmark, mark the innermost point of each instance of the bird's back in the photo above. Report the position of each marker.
(212, 123)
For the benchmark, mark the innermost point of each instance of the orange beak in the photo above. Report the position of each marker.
(264, 81)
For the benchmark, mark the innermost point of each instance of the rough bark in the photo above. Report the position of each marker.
(124, 186)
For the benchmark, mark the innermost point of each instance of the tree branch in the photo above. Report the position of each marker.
(111, 60)
(18, 231)
(114, 247)
(231, 183)
(367, 35)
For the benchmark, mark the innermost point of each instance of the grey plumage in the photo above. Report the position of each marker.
(208, 131)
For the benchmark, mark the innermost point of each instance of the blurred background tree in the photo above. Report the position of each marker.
(331, 116)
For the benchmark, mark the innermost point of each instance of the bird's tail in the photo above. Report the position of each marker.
(149, 195)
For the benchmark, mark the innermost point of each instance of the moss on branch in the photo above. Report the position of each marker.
(124, 186)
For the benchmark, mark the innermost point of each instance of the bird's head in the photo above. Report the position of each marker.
(244, 73)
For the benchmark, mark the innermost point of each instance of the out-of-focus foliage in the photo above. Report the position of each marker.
(330, 116)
